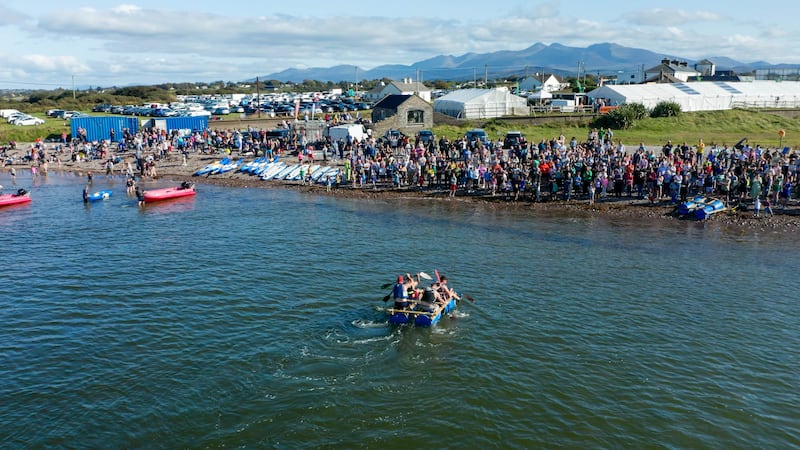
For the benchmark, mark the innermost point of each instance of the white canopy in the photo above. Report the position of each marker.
(705, 95)
(480, 104)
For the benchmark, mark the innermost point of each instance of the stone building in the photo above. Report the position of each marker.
(407, 113)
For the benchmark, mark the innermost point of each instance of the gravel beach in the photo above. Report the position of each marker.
(737, 222)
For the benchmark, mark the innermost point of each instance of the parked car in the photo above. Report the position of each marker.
(65, 114)
(53, 112)
(513, 139)
(426, 136)
(103, 107)
(29, 120)
(477, 134)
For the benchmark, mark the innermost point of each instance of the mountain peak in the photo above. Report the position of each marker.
(553, 58)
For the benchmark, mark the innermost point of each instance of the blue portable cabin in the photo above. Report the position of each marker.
(99, 128)
(185, 125)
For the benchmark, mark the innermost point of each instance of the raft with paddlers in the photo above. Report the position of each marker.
(422, 306)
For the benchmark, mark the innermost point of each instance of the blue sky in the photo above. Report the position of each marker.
(103, 43)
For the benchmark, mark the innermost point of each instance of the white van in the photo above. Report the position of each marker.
(563, 105)
(356, 130)
(6, 113)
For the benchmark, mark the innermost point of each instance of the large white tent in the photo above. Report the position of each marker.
(481, 104)
(705, 95)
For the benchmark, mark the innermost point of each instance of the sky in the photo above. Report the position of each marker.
(49, 44)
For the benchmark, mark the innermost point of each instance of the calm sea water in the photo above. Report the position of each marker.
(253, 318)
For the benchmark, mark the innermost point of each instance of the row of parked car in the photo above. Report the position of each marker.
(64, 114)
(320, 107)
(20, 118)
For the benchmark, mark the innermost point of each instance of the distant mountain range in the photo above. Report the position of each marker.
(555, 58)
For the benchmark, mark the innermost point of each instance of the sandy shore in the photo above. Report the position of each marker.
(740, 222)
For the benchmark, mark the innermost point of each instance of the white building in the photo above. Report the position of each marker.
(670, 72)
(481, 104)
(547, 83)
(406, 86)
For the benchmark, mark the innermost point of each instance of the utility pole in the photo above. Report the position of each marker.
(356, 84)
(486, 75)
(73, 87)
(258, 97)
(475, 77)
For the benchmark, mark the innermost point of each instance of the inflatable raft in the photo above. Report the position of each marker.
(155, 195)
(420, 318)
(98, 196)
(691, 206)
(15, 199)
(709, 209)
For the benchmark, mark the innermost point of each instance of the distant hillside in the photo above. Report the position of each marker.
(553, 58)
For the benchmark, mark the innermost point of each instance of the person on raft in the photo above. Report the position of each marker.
(404, 290)
(444, 291)
(185, 185)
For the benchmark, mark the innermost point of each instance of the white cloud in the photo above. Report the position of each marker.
(126, 9)
(660, 17)
(35, 63)
(9, 16)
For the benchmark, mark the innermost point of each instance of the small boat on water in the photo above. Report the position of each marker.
(155, 195)
(98, 196)
(21, 196)
(421, 318)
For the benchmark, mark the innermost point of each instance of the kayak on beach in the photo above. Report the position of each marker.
(212, 167)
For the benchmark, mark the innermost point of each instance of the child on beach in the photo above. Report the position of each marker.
(767, 207)
(756, 206)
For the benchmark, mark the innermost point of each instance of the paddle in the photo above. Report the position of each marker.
(421, 274)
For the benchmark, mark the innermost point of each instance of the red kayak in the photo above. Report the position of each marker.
(155, 195)
(14, 199)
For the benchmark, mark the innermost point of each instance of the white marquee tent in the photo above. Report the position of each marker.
(705, 95)
(481, 104)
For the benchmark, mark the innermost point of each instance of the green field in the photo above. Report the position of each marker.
(714, 127)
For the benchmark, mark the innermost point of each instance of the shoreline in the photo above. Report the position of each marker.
(783, 221)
